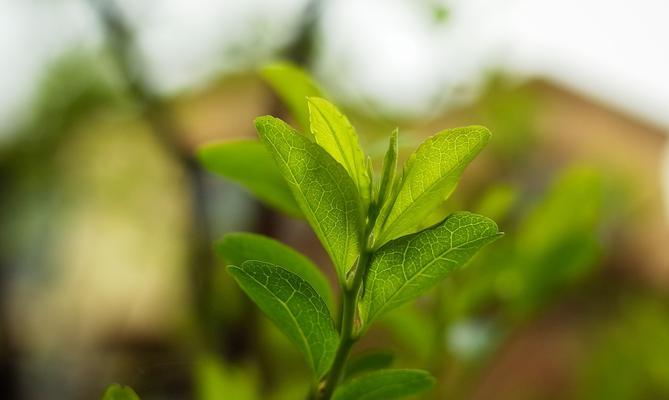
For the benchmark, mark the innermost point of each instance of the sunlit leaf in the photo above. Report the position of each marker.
(407, 267)
(118, 392)
(235, 248)
(385, 385)
(333, 132)
(294, 306)
(325, 192)
(293, 85)
(430, 176)
(248, 163)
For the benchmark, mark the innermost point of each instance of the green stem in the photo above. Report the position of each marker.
(348, 336)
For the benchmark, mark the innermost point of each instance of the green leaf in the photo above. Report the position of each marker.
(235, 248)
(333, 132)
(293, 85)
(118, 392)
(407, 267)
(215, 380)
(248, 163)
(385, 385)
(390, 182)
(389, 171)
(294, 306)
(430, 176)
(368, 362)
(326, 194)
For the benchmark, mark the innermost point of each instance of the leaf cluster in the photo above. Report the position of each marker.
(367, 223)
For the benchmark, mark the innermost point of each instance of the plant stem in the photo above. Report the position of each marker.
(347, 334)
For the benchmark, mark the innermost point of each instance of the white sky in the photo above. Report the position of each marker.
(387, 53)
(612, 50)
(33, 34)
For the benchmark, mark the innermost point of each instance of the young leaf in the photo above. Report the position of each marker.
(389, 171)
(368, 362)
(385, 385)
(405, 268)
(336, 135)
(235, 248)
(293, 86)
(248, 163)
(118, 392)
(294, 306)
(430, 176)
(326, 194)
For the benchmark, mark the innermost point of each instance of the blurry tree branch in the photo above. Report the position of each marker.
(154, 110)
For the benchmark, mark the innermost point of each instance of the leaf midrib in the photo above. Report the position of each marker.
(313, 215)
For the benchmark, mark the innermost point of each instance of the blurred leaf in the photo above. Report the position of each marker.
(385, 385)
(430, 175)
(497, 201)
(369, 361)
(389, 173)
(235, 248)
(333, 132)
(407, 267)
(326, 194)
(510, 111)
(294, 306)
(412, 329)
(629, 355)
(214, 380)
(288, 391)
(547, 260)
(248, 163)
(118, 392)
(440, 13)
(293, 85)
(555, 244)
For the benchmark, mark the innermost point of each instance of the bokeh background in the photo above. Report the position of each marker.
(107, 219)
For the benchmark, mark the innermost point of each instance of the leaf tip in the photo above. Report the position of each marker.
(262, 121)
(482, 131)
(315, 99)
(233, 270)
(202, 153)
(116, 391)
(267, 70)
(264, 124)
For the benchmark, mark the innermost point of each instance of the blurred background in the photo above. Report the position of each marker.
(107, 219)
